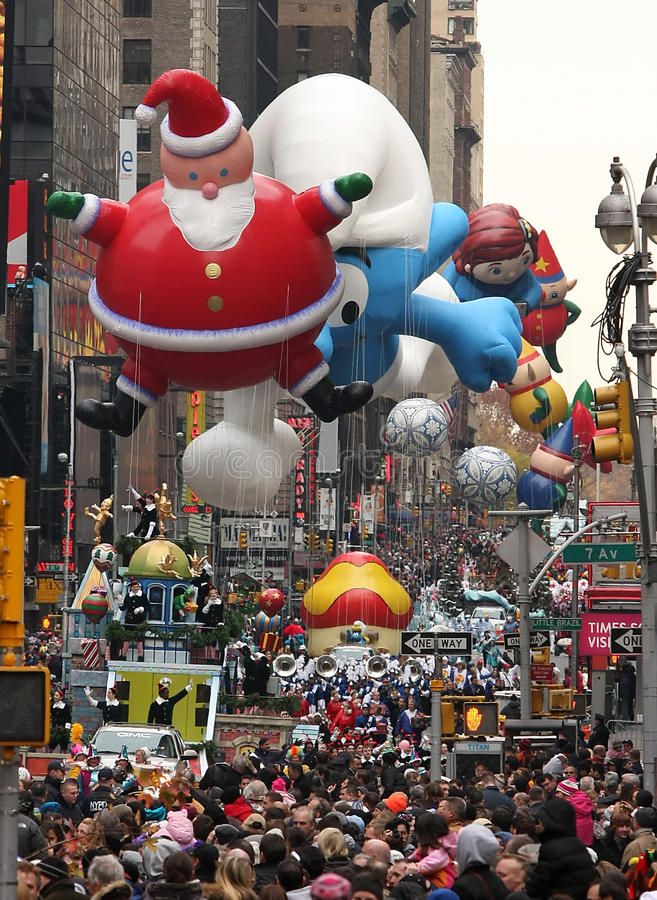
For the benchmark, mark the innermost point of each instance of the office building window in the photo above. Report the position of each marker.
(461, 4)
(143, 131)
(143, 180)
(137, 9)
(136, 61)
(303, 37)
(301, 76)
(468, 25)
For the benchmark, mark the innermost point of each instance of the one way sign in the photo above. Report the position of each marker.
(537, 640)
(427, 643)
(626, 641)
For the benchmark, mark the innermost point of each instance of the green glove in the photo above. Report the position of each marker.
(65, 204)
(353, 187)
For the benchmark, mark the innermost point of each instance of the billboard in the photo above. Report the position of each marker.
(595, 636)
(16, 229)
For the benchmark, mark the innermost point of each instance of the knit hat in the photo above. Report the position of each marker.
(567, 787)
(23, 774)
(396, 802)
(179, 827)
(442, 894)
(52, 867)
(199, 122)
(330, 887)
(155, 851)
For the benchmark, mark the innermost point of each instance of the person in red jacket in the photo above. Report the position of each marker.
(235, 806)
(333, 707)
(583, 807)
(345, 719)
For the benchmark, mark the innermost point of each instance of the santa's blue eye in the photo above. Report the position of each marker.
(223, 173)
(193, 176)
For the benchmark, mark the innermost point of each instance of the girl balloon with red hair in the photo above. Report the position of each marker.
(495, 258)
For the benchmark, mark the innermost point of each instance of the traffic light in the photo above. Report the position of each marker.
(329, 545)
(480, 718)
(12, 562)
(24, 706)
(366, 532)
(448, 490)
(244, 540)
(614, 411)
(306, 538)
(315, 540)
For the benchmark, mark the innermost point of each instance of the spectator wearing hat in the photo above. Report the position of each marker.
(644, 834)
(599, 733)
(564, 864)
(56, 884)
(392, 777)
(330, 886)
(56, 773)
(161, 709)
(611, 795)
(101, 797)
(583, 807)
(476, 852)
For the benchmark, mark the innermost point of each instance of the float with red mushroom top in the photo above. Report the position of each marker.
(355, 594)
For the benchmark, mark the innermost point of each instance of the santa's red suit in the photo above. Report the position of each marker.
(216, 319)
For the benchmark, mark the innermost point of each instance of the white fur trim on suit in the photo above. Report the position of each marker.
(87, 216)
(335, 204)
(217, 341)
(203, 144)
(133, 390)
(310, 380)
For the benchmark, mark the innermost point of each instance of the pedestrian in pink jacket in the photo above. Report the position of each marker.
(583, 807)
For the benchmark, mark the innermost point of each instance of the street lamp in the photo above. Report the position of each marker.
(622, 222)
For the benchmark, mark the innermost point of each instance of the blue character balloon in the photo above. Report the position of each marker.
(395, 311)
(496, 258)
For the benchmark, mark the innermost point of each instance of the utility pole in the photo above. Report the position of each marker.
(574, 605)
(436, 718)
(518, 549)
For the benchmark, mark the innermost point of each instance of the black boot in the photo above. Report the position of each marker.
(328, 401)
(121, 416)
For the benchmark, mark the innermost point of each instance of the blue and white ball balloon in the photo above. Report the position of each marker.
(486, 475)
(416, 427)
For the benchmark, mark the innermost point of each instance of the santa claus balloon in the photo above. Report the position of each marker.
(215, 277)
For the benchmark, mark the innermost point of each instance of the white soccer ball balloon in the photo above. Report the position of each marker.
(103, 557)
(416, 427)
(486, 475)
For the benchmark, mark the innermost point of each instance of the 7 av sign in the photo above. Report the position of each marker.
(626, 641)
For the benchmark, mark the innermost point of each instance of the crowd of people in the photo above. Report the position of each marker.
(353, 820)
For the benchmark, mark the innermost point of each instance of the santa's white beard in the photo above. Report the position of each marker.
(211, 224)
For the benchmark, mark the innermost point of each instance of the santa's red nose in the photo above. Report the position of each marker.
(210, 190)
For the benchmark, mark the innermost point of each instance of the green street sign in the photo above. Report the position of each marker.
(557, 624)
(599, 553)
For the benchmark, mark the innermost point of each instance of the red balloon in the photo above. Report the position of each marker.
(271, 601)
(95, 606)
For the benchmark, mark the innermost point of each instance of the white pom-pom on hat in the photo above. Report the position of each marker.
(145, 115)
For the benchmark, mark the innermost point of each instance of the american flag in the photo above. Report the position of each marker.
(450, 408)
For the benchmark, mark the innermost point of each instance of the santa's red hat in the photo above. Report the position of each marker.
(199, 122)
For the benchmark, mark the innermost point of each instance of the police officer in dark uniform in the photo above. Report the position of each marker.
(161, 709)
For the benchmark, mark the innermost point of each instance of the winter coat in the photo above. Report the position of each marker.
(30, 837)
(609, 850)
(99, 799)
(644, 839)
(117, 890)
(583, 807)
(564, 864)
(438, 863)
(164, 890)
(220, 775)
(53, 789)
(599, 736)
(239, 809)
(392, 779)
(493, 797)
(476, 850)
(61, 889)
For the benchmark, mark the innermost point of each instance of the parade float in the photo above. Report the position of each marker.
(355, 600)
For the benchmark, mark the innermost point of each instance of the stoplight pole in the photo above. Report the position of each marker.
(436, 721)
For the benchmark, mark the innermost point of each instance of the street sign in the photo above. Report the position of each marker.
(429, 643)
(600, 553)
(558, 624)
(537, 640)
(542, 674)
(626, 640)
(29, 581)
(509, 549)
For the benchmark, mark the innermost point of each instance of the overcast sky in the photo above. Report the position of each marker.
(568, 85)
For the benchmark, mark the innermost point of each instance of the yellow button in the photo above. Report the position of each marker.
(215, 304)
(213, 270)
